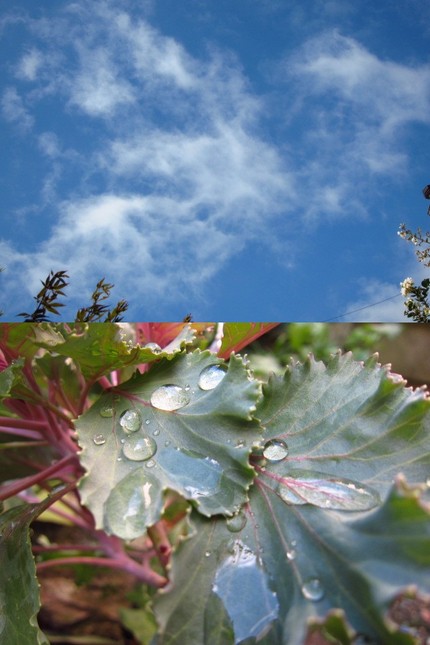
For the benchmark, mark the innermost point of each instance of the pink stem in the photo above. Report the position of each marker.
(26, 482)
(144, 574)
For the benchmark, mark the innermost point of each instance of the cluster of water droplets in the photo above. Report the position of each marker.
(136, 445)
(138, 440)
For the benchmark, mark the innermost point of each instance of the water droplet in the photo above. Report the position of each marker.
(275, 450)
(319, 489)
(154, 347)
(187, 388)
(167, 443)
(130, 420)
(156, 432)
(240, 443)
(107, 411)
(150, 463)
(147, 422)
(211, 376)
(207, 554)
(240, 570)
(99, 439)
(291, 554)
(313, 590)
(169, 398)
(139, 448)
(236, 523)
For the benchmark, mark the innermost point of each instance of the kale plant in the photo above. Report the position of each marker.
(252, 511)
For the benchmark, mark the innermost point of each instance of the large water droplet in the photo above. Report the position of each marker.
(139, 448)
(319, 489)
(275, 450)
(133, 504)
(169, 397)
(154, 347)
(197, 476)
(107, 411)
(130, 420)
(313, 590)
(211, 376)
(99, 439)
(250, 614)
(237, 522)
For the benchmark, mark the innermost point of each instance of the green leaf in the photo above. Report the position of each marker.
(324, 528)
(238, 335)
(10, 376)
(26, 338)
(349, 422)
(19, 592)
(273, 586)
(193, 437)
(99, 348)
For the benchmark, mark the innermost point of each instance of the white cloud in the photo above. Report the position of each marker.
(379, 302)
(186, 180)
(29, 65)
(14, 110)
(391, 93)
(97, 88)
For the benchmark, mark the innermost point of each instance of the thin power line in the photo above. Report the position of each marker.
(347, 313)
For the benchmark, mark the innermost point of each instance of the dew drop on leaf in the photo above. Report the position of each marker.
(169, 398)
(138, 448)
(107, 411)
(154, 347)
(291, 554)
(211, 376)
(156, 432)
(130, 420)
(236, 523)
(319, 489)
(99, 439)
(275, 450)
(313, 590)
(250, 613)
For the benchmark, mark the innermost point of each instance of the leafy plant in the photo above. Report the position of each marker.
(417, 304)
(250, 510)
(53, 287)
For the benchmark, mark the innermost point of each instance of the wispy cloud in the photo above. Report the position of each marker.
(14, 110)
(184, 178)
(158, 167)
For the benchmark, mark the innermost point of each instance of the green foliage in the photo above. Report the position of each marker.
(251, 510)
(417, 305)
(19, 593)
(53, 287)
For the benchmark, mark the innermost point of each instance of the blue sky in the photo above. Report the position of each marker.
(232, 159)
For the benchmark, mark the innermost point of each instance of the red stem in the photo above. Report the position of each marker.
(143, 573)
(25, 482)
